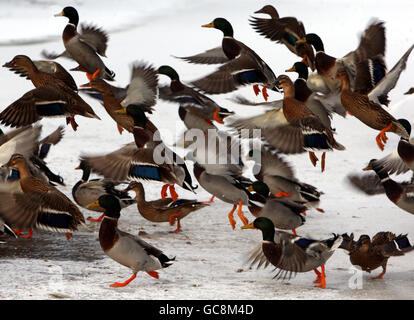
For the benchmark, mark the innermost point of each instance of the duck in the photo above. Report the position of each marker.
(286, 30)
(371, 46)
(39, 206)
(401, 160)
(58, 82)
(370, 254)
(291, 254)
(285, 214)
(196, 109)
(124, 248)
(141, 92)
(279, 176)
(164, 210)
(86, 191)
(292, 128)
(85, 47)
(402, 195)
(321, 105)
(22, 65)
(369, 112)
(240, 65)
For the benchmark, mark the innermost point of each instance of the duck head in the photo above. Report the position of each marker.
(406, 124)
(265, 225)
(221, 24)
(136, 112)
(110, 204)
(19, 61)
(16, 160)
(314, 40)
(301, 69)
(169, 72)
(270, 10)
(71, 13)
(260, 188)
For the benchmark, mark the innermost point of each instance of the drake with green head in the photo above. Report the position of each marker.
(84, 47)
(191, 101)
(291, 254)
(126, 249)
(241, 65)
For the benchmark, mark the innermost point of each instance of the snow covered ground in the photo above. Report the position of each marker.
(209, 253)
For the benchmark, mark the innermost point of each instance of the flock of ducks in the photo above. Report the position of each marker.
(356, 84)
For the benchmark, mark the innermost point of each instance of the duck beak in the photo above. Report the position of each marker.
(60, 14)
(293, 69)
(208, 25)
(121, 111)
(78, 168)
(303, 40)
(248, 226)
(368, 167)
(259, 11)
(86, 85)
(250, 189)
(93, 205)
(8, 64)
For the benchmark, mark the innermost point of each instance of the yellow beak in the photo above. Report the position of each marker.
(94, 204)
(60, 14)
(208, 25)
(303, 40)
(293, 69)
(248, 226)
(250, 189)
(121, 111)
(368, 167)
(78, 168)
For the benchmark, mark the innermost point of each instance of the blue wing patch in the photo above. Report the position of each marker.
(145, 172)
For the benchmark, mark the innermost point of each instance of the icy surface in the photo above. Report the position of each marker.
(210, 255)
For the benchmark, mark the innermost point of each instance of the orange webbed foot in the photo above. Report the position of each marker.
(281, 194)
(241, 215)
(231, 218)
(264, 93)
(216, 116)
(164, 191)
(68, 235)
(313, 158)
(174, 194)
(256, 89)
(123, 284)
(154, 274)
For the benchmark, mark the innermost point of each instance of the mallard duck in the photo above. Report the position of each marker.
(401, 159)
(164, 210)
(371, 46)
(126, 249)
(370, 254)
(284, 214)
(192, 103)
(286, 30)
(291, 254)
(56, 81)
(85, 47)
(241, 65)
(280, 178)
(140, 92)
(293, 128)
(86, 191)
(401, 194)
(23, 66)
(40, 206)
(321, 105)
(369, 112)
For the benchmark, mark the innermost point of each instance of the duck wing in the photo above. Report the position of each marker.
(212, 56)
(94, 37)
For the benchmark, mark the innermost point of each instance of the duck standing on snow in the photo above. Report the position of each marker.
(370, 254)
(126, 249)
(85, 47)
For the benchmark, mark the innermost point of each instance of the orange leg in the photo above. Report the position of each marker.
(294, 232)
(153, 274)
(120, 129)
(17, 232)
(72, 122)
(304, 213)
(216, 116)
(256, 89)
(27, 235)
(320, 210)
(264, 93)
(97, 220)
(282, 194)
(384, 269)
(241, 215)
(313, 158)
(209, 201)
(123, 284)
(231, 218)
(164, 191)
(172, 219)
(383, 137)
(322, 283)
(94, 75)
(68, 235)
(305, 59)
(209, 122)
(323, 162)
(174, 194)
(318, 276)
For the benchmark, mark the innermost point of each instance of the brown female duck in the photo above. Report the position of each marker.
(40, 205)
(370, 254)
(164, 210)
(286, 30)
(56, 80)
